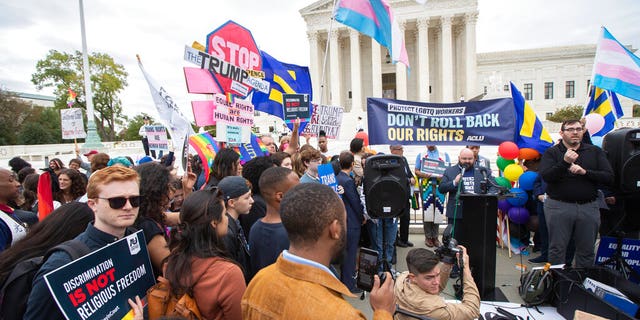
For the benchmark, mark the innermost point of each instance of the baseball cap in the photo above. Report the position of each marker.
(233, 187)
(92, 152)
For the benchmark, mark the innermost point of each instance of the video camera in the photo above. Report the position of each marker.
(447, 253)
(448, 250)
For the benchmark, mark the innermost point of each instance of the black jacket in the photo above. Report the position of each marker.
(565, 186)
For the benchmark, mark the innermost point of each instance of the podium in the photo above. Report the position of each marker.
(477, 232)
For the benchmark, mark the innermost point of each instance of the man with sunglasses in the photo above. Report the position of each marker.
(114, 197)
(573, 172)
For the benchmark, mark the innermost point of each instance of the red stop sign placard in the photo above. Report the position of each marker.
(233, 44)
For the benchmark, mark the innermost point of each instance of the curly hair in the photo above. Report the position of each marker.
(253, 169)
(78, 185)
(195, 236)
(154, 189)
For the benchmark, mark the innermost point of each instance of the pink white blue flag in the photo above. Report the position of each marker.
(616, 68)
(375, 19)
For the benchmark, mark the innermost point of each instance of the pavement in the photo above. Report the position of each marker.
(507, 276)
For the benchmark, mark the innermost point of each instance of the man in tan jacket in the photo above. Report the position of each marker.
(418, 289)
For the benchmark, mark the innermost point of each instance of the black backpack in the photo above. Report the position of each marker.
(17, 287)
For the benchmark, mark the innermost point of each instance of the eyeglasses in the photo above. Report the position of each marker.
(119, 202)
(578, 129)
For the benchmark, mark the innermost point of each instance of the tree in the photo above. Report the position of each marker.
(132, 130)
(22, 123)
(63, 71)
(566, 113)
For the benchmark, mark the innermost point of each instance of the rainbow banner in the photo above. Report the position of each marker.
(207, 148)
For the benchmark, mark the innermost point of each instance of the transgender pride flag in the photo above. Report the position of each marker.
(375, 19)
(616, 68)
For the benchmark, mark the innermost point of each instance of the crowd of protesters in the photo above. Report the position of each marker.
(214, 236)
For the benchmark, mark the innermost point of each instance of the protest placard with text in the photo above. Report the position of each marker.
(72, 123)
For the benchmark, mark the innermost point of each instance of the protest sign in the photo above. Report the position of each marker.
(98, 285)
(296, 106)
(326, 118)
(157, 137)
(72, 123)
(233, 119)
(235, 50)
(327, 177)
(487, 122)
(630, 252)
(433, 167)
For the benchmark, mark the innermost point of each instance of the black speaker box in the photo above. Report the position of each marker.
(623, 151)
(385, 186)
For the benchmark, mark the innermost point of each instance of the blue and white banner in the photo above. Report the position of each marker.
(489, 122)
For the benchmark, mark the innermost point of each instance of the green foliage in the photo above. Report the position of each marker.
(635, 110)
(63, 71)
(566, 113)
(21, 123)
(34, 133)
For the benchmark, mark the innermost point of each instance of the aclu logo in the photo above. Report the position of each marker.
(134, 244)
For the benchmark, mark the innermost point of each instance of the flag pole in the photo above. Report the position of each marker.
(326, 50)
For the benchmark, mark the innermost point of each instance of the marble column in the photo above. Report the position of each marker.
(315, 65)
(334, 56)
(401, 73)
(356, 74)
(470, 52)
(376, 69)
(447, 60)
(423, 59)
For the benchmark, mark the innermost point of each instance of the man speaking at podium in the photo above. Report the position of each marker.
(464, 177)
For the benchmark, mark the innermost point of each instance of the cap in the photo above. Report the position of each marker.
(144, 160)
(233, 187)
(92, 152)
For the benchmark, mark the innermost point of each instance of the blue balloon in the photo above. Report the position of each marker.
(504, 205)
(519, 215)
(520, 197)
(597, 141)
(526, 180)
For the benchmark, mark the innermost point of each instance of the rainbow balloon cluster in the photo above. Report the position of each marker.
(512, 173)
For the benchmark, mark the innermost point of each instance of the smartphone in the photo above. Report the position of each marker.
(367, 268)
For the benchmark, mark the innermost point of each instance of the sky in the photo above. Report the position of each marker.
(159, 30)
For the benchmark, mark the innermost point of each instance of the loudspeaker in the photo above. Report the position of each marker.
(623, 152)
(386, 187)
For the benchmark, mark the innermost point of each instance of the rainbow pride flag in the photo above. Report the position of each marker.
(207, 148)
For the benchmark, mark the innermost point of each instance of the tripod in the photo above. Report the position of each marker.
(617, 261)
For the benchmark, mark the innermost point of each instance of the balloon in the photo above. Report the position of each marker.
(597, 141)
(503, 182)
(519, 197)
(513, 172)
(508, 150)
(528, 154)
(519, 215)
(504, 205)
(595, 122)
(503, 163)
(526, 180)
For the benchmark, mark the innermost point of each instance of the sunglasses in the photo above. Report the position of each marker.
(119, 202)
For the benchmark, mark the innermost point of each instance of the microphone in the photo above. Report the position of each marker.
(464, 168)
(484, 187)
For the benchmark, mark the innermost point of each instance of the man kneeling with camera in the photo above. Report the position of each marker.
(417, 290)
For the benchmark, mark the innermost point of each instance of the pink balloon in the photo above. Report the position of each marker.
(595, 122)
